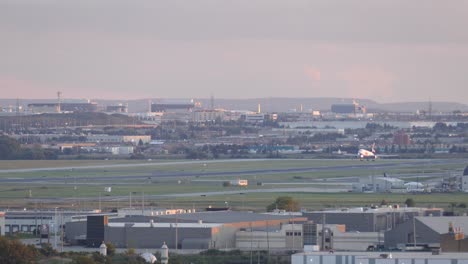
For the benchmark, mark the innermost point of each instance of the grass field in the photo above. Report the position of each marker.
(55, 183)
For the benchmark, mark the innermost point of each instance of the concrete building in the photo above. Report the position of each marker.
(2, 223)
(353, 108)
(185, 231)
(123, 212)
(151, 235)
(201, 116)
(116, 139)
(373, 219)
(288, 236)
(423, 231)
(378, 258)
(379, 184)
(79, 106)
(29, 221)
(337, 238)
(173, 107)
(255, 118)
(44, 108)
(114, 150)
(120, 108)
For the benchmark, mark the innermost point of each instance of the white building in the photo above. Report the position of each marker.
(152, 211)
(201, 116)
(378, 258)
(255, 118)
(119, 139)
(379, 184)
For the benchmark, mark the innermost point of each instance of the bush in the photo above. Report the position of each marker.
(410, 202)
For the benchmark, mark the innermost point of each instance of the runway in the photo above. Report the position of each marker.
(371, 166)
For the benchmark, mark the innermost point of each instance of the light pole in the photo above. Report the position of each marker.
(55, 228)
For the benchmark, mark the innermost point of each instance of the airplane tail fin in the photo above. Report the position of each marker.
(373, 148)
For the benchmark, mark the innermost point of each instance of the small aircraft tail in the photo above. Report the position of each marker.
(373, 148)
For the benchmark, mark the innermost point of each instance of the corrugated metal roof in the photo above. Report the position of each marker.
(441, 224)
(227, 217)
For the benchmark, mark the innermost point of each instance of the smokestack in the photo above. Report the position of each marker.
(259, 108)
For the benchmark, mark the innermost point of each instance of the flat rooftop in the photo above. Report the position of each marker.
(228, 217)
(395, 255)
(166, 225)
(375, 210)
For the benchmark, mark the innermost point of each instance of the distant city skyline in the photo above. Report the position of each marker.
(387, 51)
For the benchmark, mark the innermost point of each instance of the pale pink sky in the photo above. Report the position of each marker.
(394, 50)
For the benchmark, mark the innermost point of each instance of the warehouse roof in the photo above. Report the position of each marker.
(228, 217)
(441, 224)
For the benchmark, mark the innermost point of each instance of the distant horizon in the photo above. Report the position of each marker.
(240, 98)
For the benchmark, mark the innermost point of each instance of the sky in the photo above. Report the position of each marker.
(387, 50)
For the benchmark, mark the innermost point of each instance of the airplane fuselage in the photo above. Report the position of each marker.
(365, 154)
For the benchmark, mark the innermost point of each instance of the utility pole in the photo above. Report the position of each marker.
(55, 229)
(251, 242)
(322, 247)
(62, 236)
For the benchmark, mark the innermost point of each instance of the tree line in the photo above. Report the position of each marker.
(10, 149)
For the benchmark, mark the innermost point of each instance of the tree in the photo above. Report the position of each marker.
(13, 251)
(284, 203)
(83, 260)
(410, 202)
(8, 147)
(110, 249)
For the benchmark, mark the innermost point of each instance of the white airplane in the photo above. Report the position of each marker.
(364, 154)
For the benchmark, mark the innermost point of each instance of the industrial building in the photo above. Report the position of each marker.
(120, 108)
(379, 258)
(114, 150)
(172, 107)
(379, 184)
(336, 237)
(255, 118)
(85, 106)
(30, 221)
(353, 108)
(370, 219)
(115, 139)
(185, 231)
(201, 116)
(424, 231)
(288, 236)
